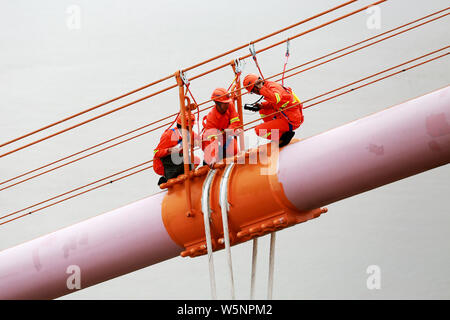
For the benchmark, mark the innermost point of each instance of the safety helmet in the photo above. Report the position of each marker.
(221, 95)
(186, 117)
(249, 81)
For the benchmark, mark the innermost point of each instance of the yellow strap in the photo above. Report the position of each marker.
(296, 99)
(284, 105)
(278, 97)
(267, 134)
(234, 119)
(155, 151)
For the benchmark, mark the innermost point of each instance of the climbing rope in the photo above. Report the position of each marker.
(75, 195)
(285, 63)
(224, 205)
(271, 265)
(253, 274)
(251, 47)
(187, 84)
(206, 220)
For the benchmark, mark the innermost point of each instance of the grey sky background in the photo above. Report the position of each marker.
(49, 71)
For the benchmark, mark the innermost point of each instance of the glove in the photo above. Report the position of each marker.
(252, 107)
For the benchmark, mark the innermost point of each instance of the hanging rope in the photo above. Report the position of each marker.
(287, 58)
(224, 205)
(187, 84)
(206, 220)
(271, 265)
(251, 47)
(76, 189)
(253, 276)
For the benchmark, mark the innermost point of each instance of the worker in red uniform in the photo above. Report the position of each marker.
(167, 157)
(281, 110)
(220, 128)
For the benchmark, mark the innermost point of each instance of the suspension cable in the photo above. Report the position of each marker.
(170, 76)
(85, 111)
(365, 46)
(291, 38)
(353, 45)
(371, 38)
(379, 79)
(246, 124)
(87, 121)
(195, 77)
(268, 78)
(376, 74)
(271, 35)
(80, 158)
(345, 92)
(93, 147)
(353, 89)
(340, 50)
(78, 194)
(76, 189)
(296, 67)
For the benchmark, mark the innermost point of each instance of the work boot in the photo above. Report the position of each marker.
(162, 180)
(286, 138)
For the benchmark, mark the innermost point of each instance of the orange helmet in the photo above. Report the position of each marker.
(186, 116)
(221, 95)
(249, 81)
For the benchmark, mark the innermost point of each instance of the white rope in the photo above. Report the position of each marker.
(225, 207)
(254, 256)
(206, 218)
(271, 265)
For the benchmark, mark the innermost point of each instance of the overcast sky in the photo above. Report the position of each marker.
(60, 57)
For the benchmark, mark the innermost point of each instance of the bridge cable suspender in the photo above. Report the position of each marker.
(224, 205)
(206, 209)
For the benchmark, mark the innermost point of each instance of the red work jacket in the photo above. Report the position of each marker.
(216, 120)
(169, 139)
(280, 99)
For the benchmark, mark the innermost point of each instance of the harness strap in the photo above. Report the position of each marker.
(287, 58)
(253, 53)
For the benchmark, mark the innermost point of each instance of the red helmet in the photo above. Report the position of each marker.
(249, 81)
(221, 95)
(186, 116)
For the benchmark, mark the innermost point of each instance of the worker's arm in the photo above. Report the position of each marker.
(211, 132)
(168, 140)
(197, 140)
(235, 122)
(275, 97)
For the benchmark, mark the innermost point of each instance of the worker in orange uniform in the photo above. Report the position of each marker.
(220, 128)
(281, 110)
(167, 157)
